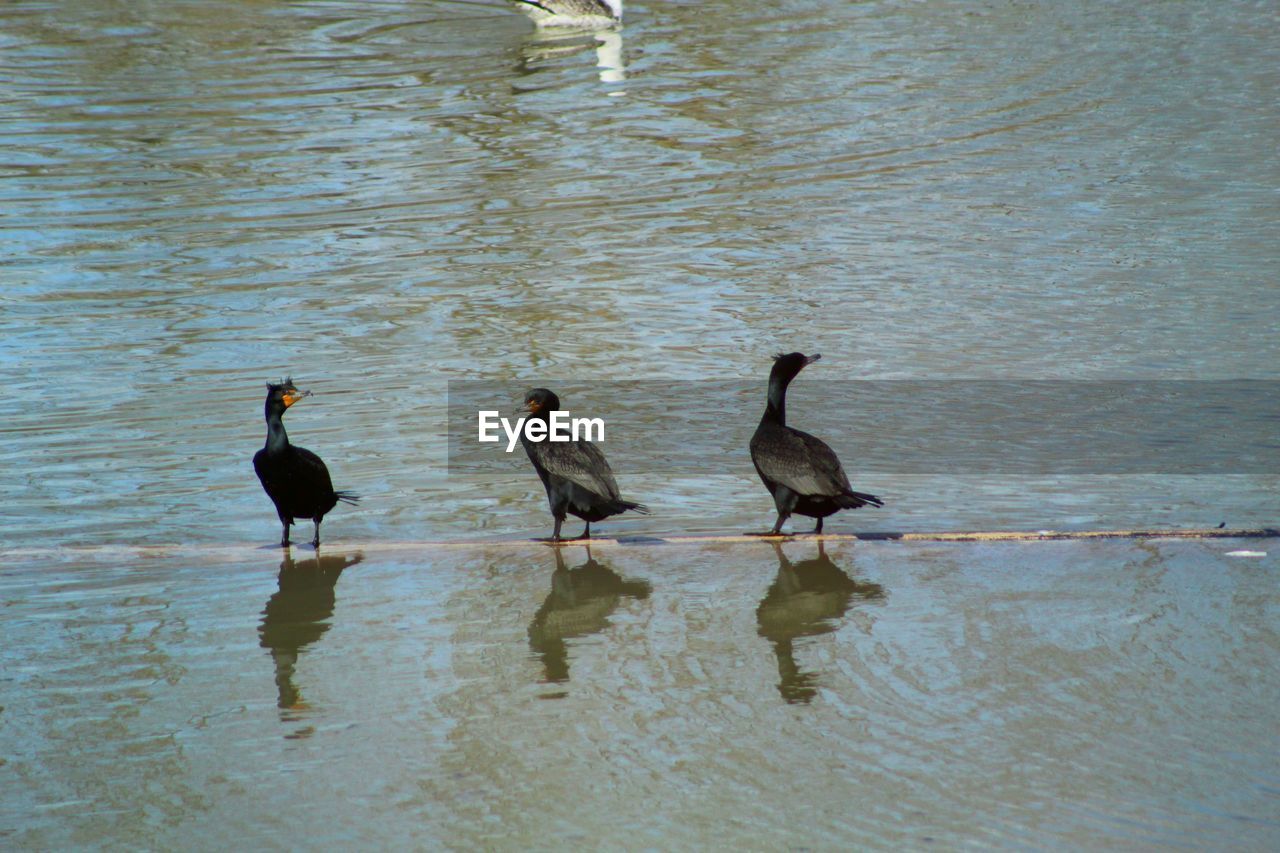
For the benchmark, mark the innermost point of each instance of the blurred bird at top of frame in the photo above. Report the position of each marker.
(584, 14)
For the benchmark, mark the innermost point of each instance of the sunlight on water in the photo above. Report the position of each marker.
(379, 198)
(1040, 694)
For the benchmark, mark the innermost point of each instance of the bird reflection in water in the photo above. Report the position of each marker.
(548, 45)
(580, 602)
(806, 599)
(298, 614)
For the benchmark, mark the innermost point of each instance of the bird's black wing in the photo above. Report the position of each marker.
(801, 462)
(297, 467)
(311, 469)
(579, 462)
(262, 469)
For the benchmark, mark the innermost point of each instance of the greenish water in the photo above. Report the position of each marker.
(381, 197)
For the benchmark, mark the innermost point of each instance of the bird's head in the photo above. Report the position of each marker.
(540, 400)
(786, 366)
(284, 394)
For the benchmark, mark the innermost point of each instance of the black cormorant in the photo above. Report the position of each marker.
(576, 475)
(800, 471)
(295, 479)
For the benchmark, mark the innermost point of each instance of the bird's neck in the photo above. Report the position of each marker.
(277, 438)
(775, 411)
(528, 443)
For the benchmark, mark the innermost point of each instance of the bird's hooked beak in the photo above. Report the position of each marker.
(294, 395)
(812, 358)
(528, 407)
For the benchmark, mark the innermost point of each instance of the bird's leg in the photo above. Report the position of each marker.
(284, 536)
(777, 528)
(586, 532)
(818, 529)
(554, 538)
(316, 541)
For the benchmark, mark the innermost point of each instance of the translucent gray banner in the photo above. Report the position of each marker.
(960, 427)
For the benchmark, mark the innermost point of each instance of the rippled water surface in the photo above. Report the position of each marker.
(380, 197)
(878, 694)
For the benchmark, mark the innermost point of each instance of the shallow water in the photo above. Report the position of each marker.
(1044, 695)
(382, 197)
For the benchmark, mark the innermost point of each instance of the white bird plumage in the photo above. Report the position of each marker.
(572, 13)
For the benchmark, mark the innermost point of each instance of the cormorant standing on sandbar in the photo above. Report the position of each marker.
(800, 471)
(576, 475)
(295, 479)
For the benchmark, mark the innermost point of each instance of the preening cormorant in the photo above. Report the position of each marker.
(576, 475)
(800, 471)
(587, 14)
(295, 479)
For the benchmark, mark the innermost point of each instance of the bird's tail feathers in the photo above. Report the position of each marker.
(853, 500)
(348, 497)
(634, 507)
